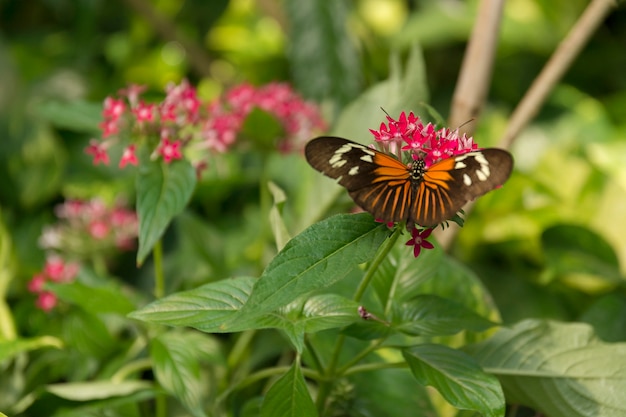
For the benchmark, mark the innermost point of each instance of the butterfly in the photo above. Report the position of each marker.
(393, 191)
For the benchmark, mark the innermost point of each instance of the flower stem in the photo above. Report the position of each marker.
(373, 267)
(159, 280)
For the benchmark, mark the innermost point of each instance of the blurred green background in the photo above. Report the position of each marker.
(550, 244)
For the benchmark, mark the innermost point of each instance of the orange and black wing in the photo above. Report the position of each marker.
(447, 185)
(377, 182)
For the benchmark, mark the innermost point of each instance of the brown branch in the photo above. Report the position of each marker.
(554, 69)
(198, 58)
(474, 81)
(475, 74)
(552, 72)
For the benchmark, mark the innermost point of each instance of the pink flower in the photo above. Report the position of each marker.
(57, 270)
(36, 283)
(99, 229)
(98, 151)
(129, 157)
(170, 150)
(46, 301)
(144, 112)
(132, 93)
(113, 109)
(418, 240)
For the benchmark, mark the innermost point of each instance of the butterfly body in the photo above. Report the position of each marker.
(394, 191)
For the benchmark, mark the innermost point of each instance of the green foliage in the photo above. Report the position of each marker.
(163, 190)
(557, 368)
(264, 282)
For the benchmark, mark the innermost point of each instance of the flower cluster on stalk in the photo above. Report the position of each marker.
(182, 126)
(409, 135)
(87, 230)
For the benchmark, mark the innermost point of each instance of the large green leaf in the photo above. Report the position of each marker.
(205, 308)
(289, 396)
(559, 369)
(316, 258)
(457, 377)
(163, 190)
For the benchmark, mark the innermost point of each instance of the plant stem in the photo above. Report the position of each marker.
(331, 371)
(159, 280)
(373, 267)
(237, 352)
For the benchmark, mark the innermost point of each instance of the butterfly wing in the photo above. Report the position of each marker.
(377, 182)
(382, 185)
(447, 185)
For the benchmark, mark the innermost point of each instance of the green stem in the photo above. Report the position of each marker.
(317, 361)
(131, 368)
(332, 371)
(237, 352)
(375, 366)
(373, 267)
(357, 358)
(159, 280)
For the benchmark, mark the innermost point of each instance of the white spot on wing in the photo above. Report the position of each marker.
(480, 173)
(354, 170)
(481, 159)
(467, 180)
(459, 164)
(367, 158)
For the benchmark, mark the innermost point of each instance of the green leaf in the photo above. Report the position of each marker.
(94, 390)
(386, 392)
(318, 257)
(430, 315)
(163, 190)
(289, 396)
(324, 60)
(281, 234)
(12, 348)
(404, 90)
(457, 377)
(176, 357)
(88, 334)
(95, 300)
(205, 308)
(78, 116)
(581, 257)
(311, 315)
(607, 315)
(559, 369)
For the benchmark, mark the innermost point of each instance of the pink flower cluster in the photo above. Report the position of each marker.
(182, 121)
(298, 118)
(424, 142)
(408, 133)
(87, 230)
(163, 121)
(55, 270)
(90, 227)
